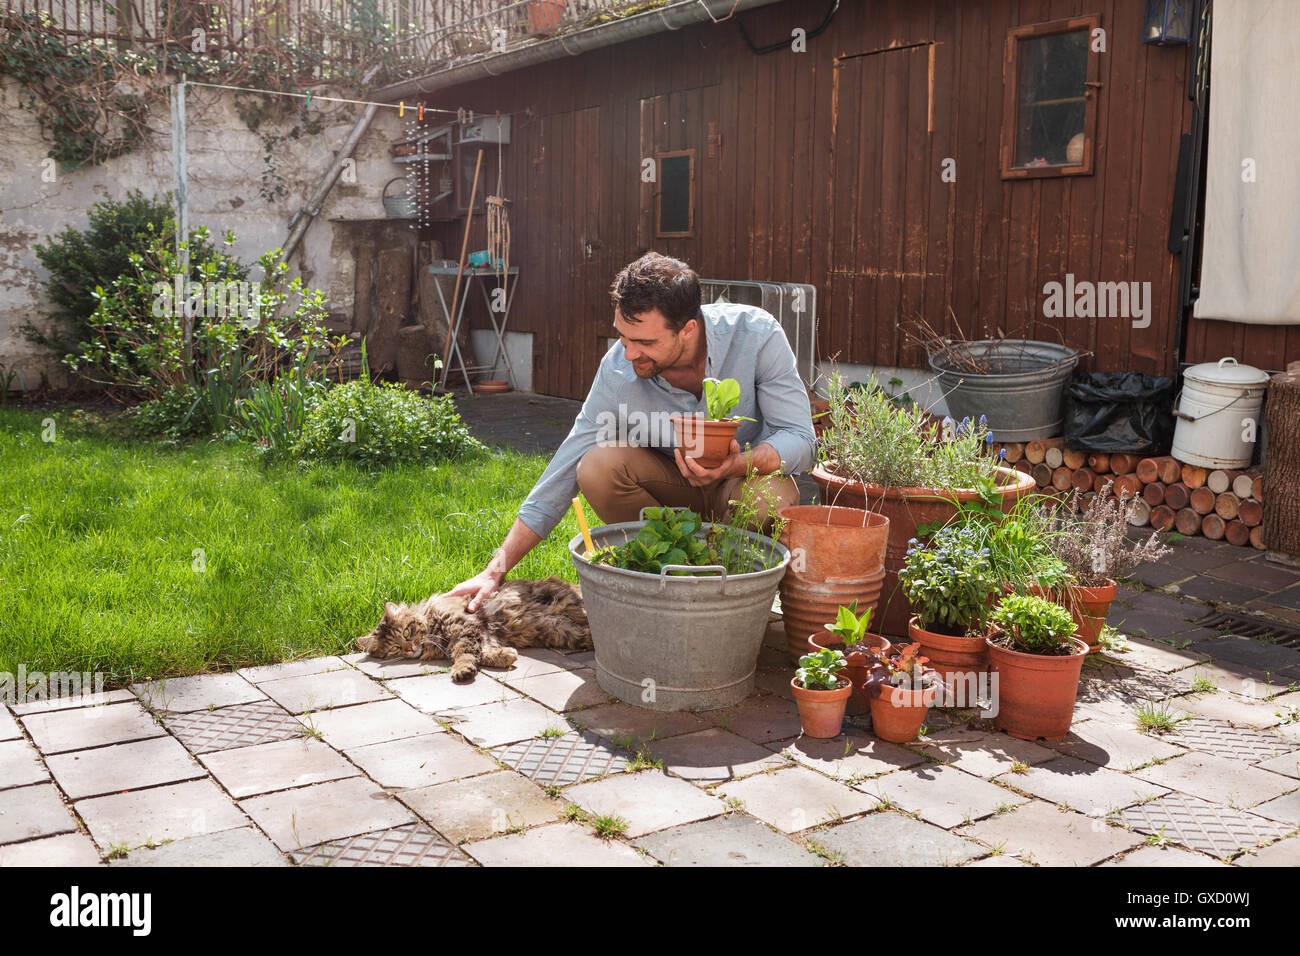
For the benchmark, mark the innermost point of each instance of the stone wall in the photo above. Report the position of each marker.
(225, 174)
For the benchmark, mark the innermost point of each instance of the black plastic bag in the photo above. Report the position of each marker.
(1120, 411)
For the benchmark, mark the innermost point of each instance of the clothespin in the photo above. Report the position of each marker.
(401, 108)
(308, 106)
(420, 117)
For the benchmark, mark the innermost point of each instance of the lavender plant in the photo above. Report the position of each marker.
(1093, 542)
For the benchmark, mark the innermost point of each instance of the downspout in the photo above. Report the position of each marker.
(673, 16)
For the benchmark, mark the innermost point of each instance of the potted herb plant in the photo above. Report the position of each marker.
(821, 693)
(849, 635)
(678, 607)
(949, 582)
(1093, 544)
(708, 440)
(893, 458)
(901, 690)
(1037, 660)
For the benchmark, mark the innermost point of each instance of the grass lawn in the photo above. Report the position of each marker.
(143, 561)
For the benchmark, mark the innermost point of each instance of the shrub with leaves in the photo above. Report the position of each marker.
(378, 424)
(176, 415)
(1034, 625)
(849, 626)
(948, 581)
(871, 439)
(1093, 542)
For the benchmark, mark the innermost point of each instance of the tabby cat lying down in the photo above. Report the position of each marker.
(545, 613)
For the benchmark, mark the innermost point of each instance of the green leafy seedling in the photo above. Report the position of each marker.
(722, 396)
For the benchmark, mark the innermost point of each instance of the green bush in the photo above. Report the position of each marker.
(176, 415)
(383, 424)
(948, 581)
(1034, 625)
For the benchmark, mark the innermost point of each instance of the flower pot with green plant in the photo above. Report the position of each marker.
(1092, 542)
(708, 440)
(892, 457)
(678, 607)
(949, 582)
(850, 636)
(901, 691)
(1037, 660)
(821, 693)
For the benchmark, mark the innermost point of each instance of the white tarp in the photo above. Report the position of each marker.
(1250, 265)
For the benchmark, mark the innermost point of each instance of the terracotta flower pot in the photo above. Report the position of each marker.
(859, 664)
(1036, 692)
(906, 508)
(1089, 607)
(821, 712)
(950, 654)
(897, 714)
(708, 442)
(837, 557)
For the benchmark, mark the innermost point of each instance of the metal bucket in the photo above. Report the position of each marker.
(401, 205)
(1218, 414)
(666, 642)
(1021, 399)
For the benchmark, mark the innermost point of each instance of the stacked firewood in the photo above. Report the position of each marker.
(1220, 504)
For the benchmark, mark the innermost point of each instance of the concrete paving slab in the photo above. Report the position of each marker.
(480, 807)
(82, 727)
(988, 755)
(71, 702)
(1209, 827)
(1114, 747)
(65, 850)
(635, 724)
(561, 690)
(226, 728)
(183, 695)
(1161, 856)
(410, 845)
(439, 693)
(712, 756)
(563, 844)
(20, 765)
(314, 692)
(8, 726)
(34, 811)
(732, 840)
(297, 819)
(374, 723)
(761, 718)
(849, 757)
(1043, 834)
(249, 771)
(301, 668)
(413, 762)
(1282, 853)
(795, 799)
(944, 796)
(890, 838)
(240, 847)
(173, 812)
(1218, 779)
(112, 769)
(1082, 786)
(648, 801)
(490, 725)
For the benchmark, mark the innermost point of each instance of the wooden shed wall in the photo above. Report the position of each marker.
(824, 167)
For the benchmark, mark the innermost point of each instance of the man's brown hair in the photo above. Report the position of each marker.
(657, 282)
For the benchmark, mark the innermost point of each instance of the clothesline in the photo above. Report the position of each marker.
(400, 106)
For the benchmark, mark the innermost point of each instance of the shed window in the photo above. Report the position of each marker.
(1051, 104)
(675, 208)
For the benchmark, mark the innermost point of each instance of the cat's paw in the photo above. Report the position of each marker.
(463, 673)
(500, 656)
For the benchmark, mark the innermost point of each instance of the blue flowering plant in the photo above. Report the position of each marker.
(948, 582)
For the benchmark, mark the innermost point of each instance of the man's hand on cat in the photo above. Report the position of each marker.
(478, 588)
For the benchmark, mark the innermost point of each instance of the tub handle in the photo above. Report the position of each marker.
(663, 573)
(1196, 418)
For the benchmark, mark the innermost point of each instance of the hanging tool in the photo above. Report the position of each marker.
(460, 272)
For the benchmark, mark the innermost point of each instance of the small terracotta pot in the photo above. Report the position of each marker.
(1089, 607)
(708, 442)
(897, 714)
(950, 654)
(821, 712)
(1036, 692)
(859, 664)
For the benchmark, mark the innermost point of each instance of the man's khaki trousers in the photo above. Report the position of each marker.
(619, 481)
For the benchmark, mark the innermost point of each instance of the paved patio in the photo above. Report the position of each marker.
(347, 761)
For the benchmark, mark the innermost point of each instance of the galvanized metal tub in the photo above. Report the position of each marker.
(1021, 397)
(669, 642)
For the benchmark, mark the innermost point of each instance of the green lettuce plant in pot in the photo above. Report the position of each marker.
(850, 635)
(1092, 543)
(949, 583)
(894, 458)
(901, 690)
(821, 693)
(708, 440)
(1037, 660)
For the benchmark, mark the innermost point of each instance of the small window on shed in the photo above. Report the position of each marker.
(1051, 103)
(675, 209)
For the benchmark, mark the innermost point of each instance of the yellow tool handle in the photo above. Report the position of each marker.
(582, 526)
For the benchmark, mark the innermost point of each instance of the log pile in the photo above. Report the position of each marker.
(1171, 495)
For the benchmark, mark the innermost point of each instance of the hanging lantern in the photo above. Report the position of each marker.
(1168, 23)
